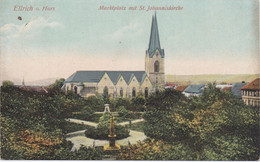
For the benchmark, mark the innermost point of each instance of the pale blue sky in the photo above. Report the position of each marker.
(206, 37)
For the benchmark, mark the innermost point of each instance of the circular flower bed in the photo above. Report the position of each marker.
(103, 132)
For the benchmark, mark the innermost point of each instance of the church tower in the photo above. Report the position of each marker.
(154, 59)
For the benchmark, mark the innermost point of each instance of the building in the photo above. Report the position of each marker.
(194, 90)
(236, 89)
(124, 83)
(250, 93)
(180, 88)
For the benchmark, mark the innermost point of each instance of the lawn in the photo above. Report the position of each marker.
(72, 127)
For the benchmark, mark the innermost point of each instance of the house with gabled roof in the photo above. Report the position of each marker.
(194, 90)
(251, 93)
(124, 83)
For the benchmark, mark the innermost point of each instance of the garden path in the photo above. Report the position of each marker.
(77, 121)
(132, 122)
(78, 138)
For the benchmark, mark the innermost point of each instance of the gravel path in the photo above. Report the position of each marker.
(78, 138)
(77, 121)
(132, 122)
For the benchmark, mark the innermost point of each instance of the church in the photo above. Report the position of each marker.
(124, 83)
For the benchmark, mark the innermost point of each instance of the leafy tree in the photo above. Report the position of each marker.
(7, 83)
(31, 125)
(103, 129)
(214, 126)
(138, 103)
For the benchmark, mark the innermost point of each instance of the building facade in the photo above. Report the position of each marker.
(250, 93)
(124, 83)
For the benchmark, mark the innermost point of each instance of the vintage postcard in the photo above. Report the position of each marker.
(129, 79)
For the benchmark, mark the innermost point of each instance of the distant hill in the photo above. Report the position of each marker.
(43, 82)
(219, 78)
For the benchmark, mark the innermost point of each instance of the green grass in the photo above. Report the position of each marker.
(72, 127)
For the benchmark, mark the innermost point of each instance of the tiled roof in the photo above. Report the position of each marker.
(254, 85)
(236, 89)
(227, 88)
(95, 76)
(38, 89)
(180, 88)
(194, 88)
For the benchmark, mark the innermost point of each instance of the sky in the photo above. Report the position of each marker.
(205, 37)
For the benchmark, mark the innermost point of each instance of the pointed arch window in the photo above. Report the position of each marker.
(146, 92)
(105, 92)
(76, 89)
(156, 66)
(133, 92)
(121, 92)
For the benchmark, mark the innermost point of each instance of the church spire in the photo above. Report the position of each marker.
(154, 38)
(23, 82)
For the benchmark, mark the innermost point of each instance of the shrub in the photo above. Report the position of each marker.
(137, 103)
(102, 130)
(214, 126)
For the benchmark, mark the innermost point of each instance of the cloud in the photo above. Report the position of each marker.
(126, 32)
(28, 30)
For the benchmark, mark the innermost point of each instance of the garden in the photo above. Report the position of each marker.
(213, 126)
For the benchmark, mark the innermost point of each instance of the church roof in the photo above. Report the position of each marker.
(154, 39)
(95, 76)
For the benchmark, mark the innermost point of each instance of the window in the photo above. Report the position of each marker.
(156, 66)
(133, 92)
(75, 89)
(121, 92)
(105, 92)
(146, 92)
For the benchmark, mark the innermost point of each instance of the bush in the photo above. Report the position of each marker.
(7, 83)
(122, 112)
(31, 125)
(102, 133)
(138, 103)
(96, 103)
(102, 130)
(214, 126)
(152, 149)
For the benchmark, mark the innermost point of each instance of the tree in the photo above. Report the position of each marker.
(7, 83)
(138, 103)
(212, 126)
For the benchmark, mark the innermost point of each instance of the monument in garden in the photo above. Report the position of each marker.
(112, 146)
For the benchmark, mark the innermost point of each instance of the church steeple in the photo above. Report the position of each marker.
(154, 42)
(154, 59)
(23, 82)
